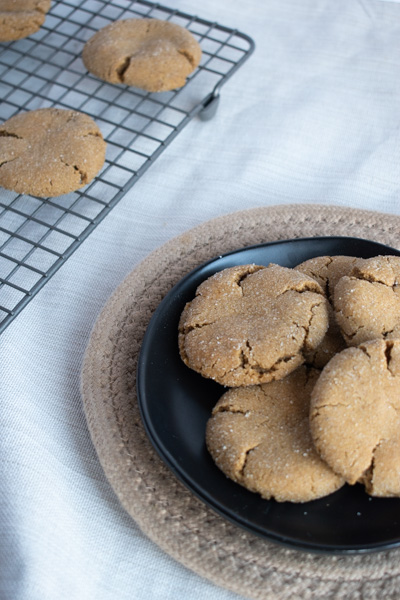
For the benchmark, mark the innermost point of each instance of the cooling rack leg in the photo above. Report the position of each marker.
(210, 108)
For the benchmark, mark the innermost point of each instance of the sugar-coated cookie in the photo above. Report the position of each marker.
(259, 436)
(367, 302)
(251, 324)
(49, 151)
(20, 18)
(327, 270)
(355, 416)
(150, 54)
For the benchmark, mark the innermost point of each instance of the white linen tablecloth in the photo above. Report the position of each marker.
(313, 116)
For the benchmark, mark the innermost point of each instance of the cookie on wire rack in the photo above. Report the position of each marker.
(21, 18)
(150, 54)
(49, 152)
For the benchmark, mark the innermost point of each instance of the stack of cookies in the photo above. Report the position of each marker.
(312, 359)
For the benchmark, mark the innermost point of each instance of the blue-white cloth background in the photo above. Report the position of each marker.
(313, 116)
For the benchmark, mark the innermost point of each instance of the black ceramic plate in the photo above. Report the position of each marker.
(176, 403)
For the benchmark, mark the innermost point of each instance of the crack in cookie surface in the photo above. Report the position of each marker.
(122, 68)
(245, 457)
(189, 57)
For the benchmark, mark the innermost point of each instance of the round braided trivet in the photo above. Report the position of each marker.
(164, 509)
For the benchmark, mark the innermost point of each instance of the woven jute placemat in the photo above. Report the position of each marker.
(163, 508)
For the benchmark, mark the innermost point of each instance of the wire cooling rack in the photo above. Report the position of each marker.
(38, 235)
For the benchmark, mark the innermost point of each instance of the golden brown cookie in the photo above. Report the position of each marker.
(259, 436)
(49, 152)
(367, 302)
(20, 18)
(251, 324)
(327, 270)
(355, 416)
(150, 54)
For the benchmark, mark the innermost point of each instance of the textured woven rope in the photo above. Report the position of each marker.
(164, 509)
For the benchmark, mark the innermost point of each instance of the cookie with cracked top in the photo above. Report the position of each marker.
(21, 18)
(49, 152)
(252, 324)
(259, 436)
(355, 416)
(367, 301)
(327, 270)
(150, 54)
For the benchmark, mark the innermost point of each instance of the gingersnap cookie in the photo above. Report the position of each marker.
(355, 416)
(49, 152)
(251, 324)
(327, 270)
(259, 436)
(150, 54)
(20, 18)
(367, 302)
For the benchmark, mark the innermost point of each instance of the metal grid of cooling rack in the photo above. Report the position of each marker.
(38, 235)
